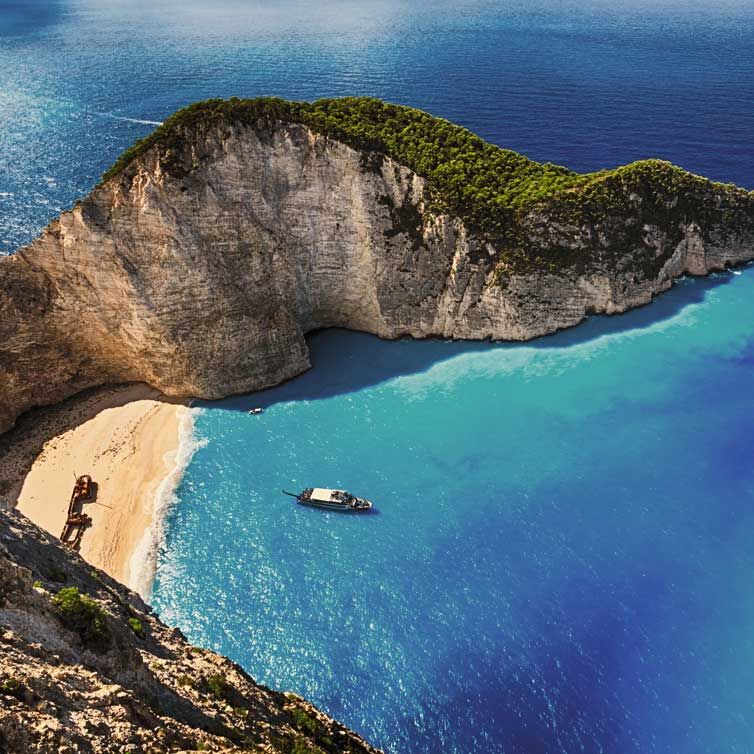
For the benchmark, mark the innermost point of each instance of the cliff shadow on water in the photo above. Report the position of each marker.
(341, 363)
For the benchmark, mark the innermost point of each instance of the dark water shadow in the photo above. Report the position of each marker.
(345, 361)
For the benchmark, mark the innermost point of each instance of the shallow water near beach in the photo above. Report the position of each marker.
(561, 554)
(562, 550)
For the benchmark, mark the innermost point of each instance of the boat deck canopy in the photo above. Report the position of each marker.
(326, 496)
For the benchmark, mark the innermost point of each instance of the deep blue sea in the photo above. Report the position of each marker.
(562, 553)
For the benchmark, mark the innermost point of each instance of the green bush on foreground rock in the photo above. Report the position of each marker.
(12, 687)
(304, 722)
(294, 744)
(302, 746)
(218, 686)
(84, 616)
(136, 626)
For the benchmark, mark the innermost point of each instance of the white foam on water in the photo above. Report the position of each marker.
(129, 120)
(143, 565)
(536, 361)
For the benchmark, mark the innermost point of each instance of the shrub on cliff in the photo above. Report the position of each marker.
(304, 722)
(136, 626)
(13, 687)
(84, 616)
(218, 687)
(295, 744)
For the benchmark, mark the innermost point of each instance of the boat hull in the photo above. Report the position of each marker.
(332, 506)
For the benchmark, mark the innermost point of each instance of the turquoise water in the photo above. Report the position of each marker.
(561, 558)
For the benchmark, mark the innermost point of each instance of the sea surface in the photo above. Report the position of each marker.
(562, 550)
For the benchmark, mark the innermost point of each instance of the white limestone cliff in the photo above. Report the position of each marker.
(204, 282)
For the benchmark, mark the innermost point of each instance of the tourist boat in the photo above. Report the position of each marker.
(334, 500)
(255, 411)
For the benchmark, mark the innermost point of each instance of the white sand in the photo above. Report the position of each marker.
(128, 442)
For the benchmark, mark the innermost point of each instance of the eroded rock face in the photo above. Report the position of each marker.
(203, 281)
(143, 688)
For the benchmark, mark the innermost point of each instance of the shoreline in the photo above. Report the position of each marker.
(133, 441)
(142, 562)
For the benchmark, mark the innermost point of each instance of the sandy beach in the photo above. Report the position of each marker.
(127, 438)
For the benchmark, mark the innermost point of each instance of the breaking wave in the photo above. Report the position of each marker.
(144, 559)
(129, 120)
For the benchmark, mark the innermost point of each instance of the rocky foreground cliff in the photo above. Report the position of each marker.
(207, 254)
(86, 667)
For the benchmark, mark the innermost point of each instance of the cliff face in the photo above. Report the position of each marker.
(110, 677)
(200, 268)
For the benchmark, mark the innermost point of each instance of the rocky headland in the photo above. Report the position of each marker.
(213, 246)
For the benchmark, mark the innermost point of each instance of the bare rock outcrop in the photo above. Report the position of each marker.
(199, 269)
(86, 667)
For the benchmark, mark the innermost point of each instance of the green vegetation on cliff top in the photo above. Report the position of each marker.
(489, 187)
